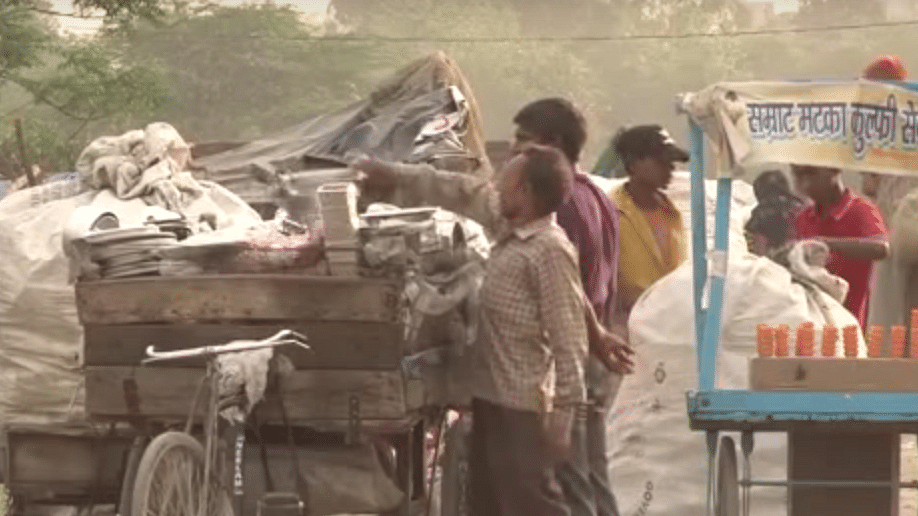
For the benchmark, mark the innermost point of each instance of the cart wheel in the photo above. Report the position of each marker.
(169, 480)
(726, 493)
(130, 473)
(454, 483)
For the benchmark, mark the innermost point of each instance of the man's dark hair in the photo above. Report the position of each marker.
(771, 184)
(555, 120)
(548, 175)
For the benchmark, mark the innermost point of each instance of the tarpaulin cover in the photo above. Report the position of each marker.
(425, 110)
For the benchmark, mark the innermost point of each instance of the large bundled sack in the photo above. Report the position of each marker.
(903, 238)
(659, 465)
(40, 335)
(891, 276)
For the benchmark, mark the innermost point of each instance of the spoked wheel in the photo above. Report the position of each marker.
(454, 483)
(727, 492)
(130, 474)
(170, 480)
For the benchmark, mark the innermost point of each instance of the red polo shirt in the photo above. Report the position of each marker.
(851, 217)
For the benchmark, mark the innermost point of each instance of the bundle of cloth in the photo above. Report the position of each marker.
(40, 334)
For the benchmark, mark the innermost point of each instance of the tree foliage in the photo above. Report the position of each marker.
(239, 72)
(236, 73)
(79, 79)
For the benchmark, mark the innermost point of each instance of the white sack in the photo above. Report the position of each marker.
(40, 336)
(903, 238)
(659, 466)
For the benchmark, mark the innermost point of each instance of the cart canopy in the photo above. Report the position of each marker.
(856, 125)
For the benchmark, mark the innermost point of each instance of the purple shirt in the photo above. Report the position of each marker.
(590, 220)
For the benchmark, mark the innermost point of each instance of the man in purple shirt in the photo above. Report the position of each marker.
(590, 220)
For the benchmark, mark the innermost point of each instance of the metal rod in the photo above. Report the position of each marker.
(699, 232)
(747, 443)
(244, 345)
(829, 483)
(707, 374)
(711, 439)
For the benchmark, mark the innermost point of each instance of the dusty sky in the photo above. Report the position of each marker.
(781, 5)
(79, 26)
(317, 7)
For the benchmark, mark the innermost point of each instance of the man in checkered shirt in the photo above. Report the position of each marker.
(529, 376)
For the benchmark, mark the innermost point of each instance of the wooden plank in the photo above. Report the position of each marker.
(45, 464)
(165, 393)
(251, 297)
(335, 345)
(66, 459)
(833, 374)
(847, 457)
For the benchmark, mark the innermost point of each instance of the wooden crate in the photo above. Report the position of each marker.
(351, 323)
(820, 374)
(335, 344)
(226, 298)
(165, 393)
(60, 463)
(354, 327)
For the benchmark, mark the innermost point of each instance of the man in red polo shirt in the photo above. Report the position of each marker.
(850, 225)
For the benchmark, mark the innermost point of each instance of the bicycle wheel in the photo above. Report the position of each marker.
(170, 480)
(454, 482)
(130, 473)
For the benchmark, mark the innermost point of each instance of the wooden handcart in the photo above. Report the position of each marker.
(351, 388)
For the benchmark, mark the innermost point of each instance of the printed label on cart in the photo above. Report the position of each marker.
(860, 125)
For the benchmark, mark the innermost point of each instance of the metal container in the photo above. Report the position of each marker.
(280, 504)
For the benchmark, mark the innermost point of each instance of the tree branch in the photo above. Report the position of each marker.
(52, 12)
(42, 98)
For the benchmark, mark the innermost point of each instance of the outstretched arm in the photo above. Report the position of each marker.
(862, 248)
(423, 185)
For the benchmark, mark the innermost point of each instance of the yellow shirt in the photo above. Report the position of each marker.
(641, 261)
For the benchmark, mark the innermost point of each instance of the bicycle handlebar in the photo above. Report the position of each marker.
(279, 339)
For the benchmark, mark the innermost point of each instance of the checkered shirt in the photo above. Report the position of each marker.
(533, 342)
(532, 346)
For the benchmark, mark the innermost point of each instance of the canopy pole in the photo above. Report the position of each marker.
(718, 272)
(699, 232)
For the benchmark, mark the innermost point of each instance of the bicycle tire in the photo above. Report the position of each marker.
(454, 482)
(183, 449)
(130, 474)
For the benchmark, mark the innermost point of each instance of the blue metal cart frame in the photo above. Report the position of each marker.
(714, 410)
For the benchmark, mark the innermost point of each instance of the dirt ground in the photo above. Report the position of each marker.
(908, 498)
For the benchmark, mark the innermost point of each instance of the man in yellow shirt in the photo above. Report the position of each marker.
(651, 234)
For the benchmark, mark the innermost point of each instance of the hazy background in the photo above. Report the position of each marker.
(233, 71)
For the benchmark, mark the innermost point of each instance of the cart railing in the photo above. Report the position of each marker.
(710, 265)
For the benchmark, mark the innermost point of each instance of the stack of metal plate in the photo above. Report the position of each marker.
(177, 226)
(128, 252)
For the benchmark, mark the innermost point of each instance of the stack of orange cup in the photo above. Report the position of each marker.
(849, 337)
(897, 341)
(782, 336)
(875, 341)
(766, 340)
(806, 339)
(829, 340)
